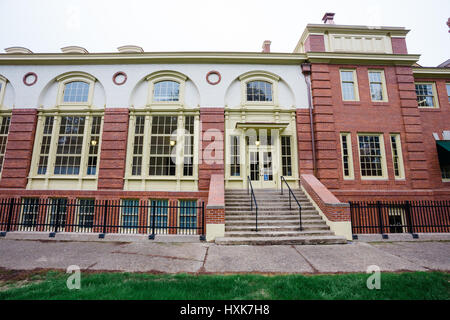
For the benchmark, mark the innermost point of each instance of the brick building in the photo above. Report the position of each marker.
(349, 115)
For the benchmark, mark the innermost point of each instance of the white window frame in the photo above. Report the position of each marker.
(383, 85)
(401, 168)
(64, 178)
(159, 76)
(73, 77)
(355, 85)
(435, 96)
(2, 116)
(447, 86)
(259, 76)
(348, 138)
(384, 171)
(144, 176)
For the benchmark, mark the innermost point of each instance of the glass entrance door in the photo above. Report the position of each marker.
(260, 167)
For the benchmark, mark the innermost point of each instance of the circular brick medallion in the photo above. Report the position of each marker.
(213, 77)
(119, 78)
(30, 78)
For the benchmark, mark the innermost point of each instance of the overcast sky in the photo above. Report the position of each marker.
(211, 25)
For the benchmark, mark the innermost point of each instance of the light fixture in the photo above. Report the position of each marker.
(257, 143)
(94, 143)
(172, 143)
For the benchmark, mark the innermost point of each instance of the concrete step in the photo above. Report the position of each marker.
(263, 234)
(312, 227)
(272, 209)
(300, 240)
(271, 217)
(274, 222)
(269, 212)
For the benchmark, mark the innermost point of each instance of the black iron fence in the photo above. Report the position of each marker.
(400, 217)
(184, 217)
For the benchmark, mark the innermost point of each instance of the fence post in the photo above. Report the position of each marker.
(203, 236)
(409, 220)
(105, 212)
(153, 213)
(56, 224)
(380, 219)
(352, 220)
(10, 213)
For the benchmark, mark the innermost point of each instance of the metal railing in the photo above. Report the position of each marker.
(252, 200)
(291, 193)
(149, 217)
(384, 217)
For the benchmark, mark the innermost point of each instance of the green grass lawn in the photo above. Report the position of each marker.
(52, 285)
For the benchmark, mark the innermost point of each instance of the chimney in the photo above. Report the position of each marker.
(328, 18)
(266, 46)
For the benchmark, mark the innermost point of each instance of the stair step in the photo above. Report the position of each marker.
(271, 217)
(277, 228)
(251, 234)
(274, 222)
(272, 212)
(281, 240)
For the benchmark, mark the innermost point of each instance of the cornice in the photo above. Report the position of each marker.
(362, 58)
(151, 57)
(432, 72)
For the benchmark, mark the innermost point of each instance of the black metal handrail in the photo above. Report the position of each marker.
(295, 198)
(252, 200)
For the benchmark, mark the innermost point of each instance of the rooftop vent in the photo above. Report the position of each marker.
(74, 49)
(130, 49)
(328, 18)
(18, 50)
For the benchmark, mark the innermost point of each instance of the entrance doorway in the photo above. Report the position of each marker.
(260, 167)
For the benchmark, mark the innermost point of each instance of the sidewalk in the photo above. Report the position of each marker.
(148, 256)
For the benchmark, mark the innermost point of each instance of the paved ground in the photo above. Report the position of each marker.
(148, 256)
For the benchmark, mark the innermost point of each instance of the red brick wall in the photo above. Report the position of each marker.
(211, 119)
(305, 155)
(399, 46)
(215, 209)
(399, 115)
(113, 149)
(333, 209)
(315, 43)
(19, 148)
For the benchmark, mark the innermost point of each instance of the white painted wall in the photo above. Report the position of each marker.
(199, 92)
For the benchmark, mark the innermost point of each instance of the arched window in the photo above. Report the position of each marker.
(166, 91)
(259, 91)
(259, 88)
(76, 91)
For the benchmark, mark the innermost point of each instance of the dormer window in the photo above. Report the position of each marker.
(76, 91)
(259, 91)
(166, 91)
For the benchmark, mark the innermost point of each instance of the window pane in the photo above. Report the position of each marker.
(259, 91)
(76, 91)
(69, 147)
(4, 129)
(188, 214)
(286, 155)
(235, 154)
(370, 156)
(166, 91)
(424, 94)
(348, 91)
(161, 162)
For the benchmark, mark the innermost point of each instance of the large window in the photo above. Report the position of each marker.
(349, 85)
(130, 214)
(159, 213)
(69, 145)
(259, 91)
(377, 85)
(4, 130)
(371, 156)
(155, 139)
(75, 89)
(426, 96)
(187, 215)
(162, 143)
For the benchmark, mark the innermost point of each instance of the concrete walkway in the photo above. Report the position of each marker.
(149, 256)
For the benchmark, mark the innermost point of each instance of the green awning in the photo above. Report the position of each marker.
(443, 148)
